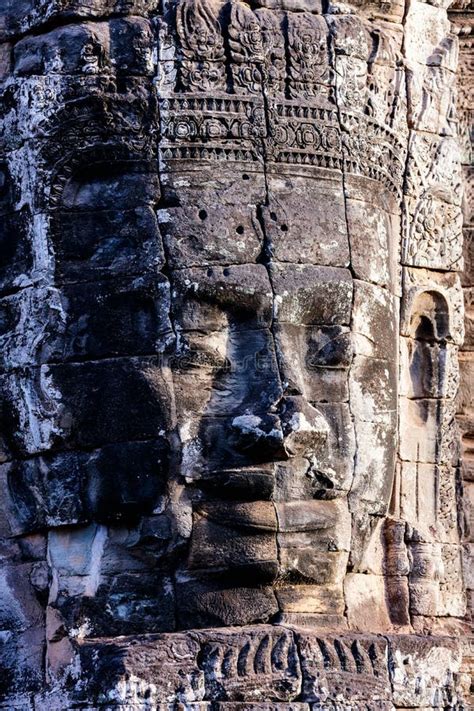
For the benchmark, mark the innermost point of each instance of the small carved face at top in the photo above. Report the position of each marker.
(91, 56)
(205, 42)
(199, 32)
(252, 38)
(310, 45)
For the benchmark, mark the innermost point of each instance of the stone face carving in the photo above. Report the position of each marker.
(231, 323)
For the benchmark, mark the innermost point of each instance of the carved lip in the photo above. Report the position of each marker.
(253, 515)
(258, 483)
(247, 482)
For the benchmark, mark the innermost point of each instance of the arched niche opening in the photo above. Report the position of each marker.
(429, 332)
(425, 361)
(426, 483)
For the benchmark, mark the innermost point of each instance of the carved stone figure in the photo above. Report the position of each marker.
(231, 325)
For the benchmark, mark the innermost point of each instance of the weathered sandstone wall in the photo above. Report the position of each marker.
(236, 389)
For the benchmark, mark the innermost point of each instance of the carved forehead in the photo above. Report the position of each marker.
(291, 294)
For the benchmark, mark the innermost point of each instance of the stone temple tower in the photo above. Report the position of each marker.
(236, 355)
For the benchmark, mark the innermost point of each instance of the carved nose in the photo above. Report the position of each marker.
(305, 429)
(297, 429)
(259, 435)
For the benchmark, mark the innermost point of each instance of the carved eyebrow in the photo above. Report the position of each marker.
(226, 286)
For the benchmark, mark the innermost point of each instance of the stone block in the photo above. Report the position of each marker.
(465, 401)
(305, 221)
(375, 322)
(31, 326)
(358, 187)
(375, 231)
(312, 295)
(43, 492)
(25, 16)
(350, 36)
(124, 481)
(419, 429)
(300, 560)
(237, 539)
(261, 661)
(468, 500)
(131, 603)
(437, 161)
(313, 540)
(373, 386)
(429, 110)
(86, 51)
(22, 625)
(104, 187)
(468, 557)
(133, 548)
(469, 318)
(418, 486)
(452, 583)
(106, 243)
(468, 252)
(17, 258)
(314, 360)
(21, 662)
(213, 604)
(426, 219)
(85, 321)
(117, 483)
(207, 222)
(5, 60)
(422, 47)
(322, 470)
(336, 461)
(123, 317)
(254, 483)
(348, 669)
(93, 603)
(428, 369)
(90, 404)
(426, 570)
(304, 516)
(375, 460)
(398, 603)
(367, 603)
(214, 447)
(423, 670)
(237, 297)
(310, 599)
(376, 553)
(112, 400)
(228, 374)
(24, 430)
(151, 668)
(75, 551)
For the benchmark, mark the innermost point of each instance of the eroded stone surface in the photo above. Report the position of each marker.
(235, 314)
